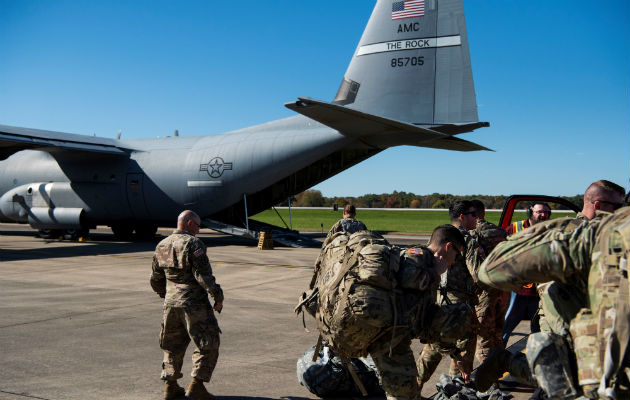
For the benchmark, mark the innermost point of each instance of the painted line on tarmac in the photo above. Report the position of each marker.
(23, 395)
(219, 262)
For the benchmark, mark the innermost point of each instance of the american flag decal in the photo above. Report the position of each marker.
(407, 9)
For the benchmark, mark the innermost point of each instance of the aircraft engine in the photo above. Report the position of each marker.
(35, 203)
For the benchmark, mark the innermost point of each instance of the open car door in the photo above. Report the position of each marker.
(522, 201)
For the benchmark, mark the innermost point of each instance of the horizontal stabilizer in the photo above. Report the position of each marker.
(453, 143)
(14, 139)
(456, 129)
(377, 131)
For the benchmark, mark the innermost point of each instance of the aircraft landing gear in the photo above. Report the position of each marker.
(50, 233)
(66, 234)
(75, 234)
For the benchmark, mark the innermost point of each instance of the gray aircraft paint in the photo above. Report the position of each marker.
(440, 91)
(60, 180)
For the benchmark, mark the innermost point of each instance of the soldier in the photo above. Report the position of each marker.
(591, 358)
(492, 302)
(457, 286)
(600, 198)
(182, 275)
(381, 280)
(396, 365)
(347, 224)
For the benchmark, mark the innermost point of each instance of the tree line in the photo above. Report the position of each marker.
(314, 198)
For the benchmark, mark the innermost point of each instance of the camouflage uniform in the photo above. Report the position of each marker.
(349, 225)
(560, 302)
(591, 258)
(492, 302)
(182, 275)
(420, 317)
(457, 286)
(397, 369)
(392, 300)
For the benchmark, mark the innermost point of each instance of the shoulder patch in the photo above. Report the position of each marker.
(198, 252)
(415, 251)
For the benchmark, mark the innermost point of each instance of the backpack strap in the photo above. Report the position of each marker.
(354, 375)
(318, 347)
(307, 297)
(348, 261)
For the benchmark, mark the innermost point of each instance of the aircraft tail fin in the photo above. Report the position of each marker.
(382, 132)
(412, 64)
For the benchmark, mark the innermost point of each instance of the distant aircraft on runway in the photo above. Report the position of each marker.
(409, 83)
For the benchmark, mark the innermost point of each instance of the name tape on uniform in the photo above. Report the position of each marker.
(409, 44)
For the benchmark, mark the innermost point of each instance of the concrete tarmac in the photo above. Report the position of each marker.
(79, 320)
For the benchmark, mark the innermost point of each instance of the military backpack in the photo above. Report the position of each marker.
(355, 283)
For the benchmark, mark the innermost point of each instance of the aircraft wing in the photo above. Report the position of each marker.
(14, 139)
(378, 131)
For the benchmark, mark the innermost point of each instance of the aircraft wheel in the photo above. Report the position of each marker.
(74, 234)
(122, 231)
(50, 233)
(146, 232)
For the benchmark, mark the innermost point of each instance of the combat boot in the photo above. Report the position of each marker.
(172, 390)
(197, 391)
(492, 369)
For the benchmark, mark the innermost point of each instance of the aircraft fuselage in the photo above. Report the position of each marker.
(204, 173)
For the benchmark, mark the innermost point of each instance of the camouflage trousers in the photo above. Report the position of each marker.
(491, 316)
(179, 326)
(399, 377)
(432, 355)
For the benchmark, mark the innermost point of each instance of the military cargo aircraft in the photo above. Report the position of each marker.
(409, 83)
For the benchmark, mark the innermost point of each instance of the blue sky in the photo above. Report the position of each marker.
(552, 78)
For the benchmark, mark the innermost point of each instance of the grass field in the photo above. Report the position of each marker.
(394, 221)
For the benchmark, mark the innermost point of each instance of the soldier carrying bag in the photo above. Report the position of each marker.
(593, 359)
(367, 295)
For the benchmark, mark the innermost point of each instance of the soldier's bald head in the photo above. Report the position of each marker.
(188, 220)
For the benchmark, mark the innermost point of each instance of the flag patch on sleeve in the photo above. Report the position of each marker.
(415, 251)
(198, 252)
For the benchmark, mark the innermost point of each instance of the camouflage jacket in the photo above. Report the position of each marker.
(181, 271)
(557, 249)
(458, 282)
(349, 225)
(560, 302)
(488, 235)
(591, 257)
